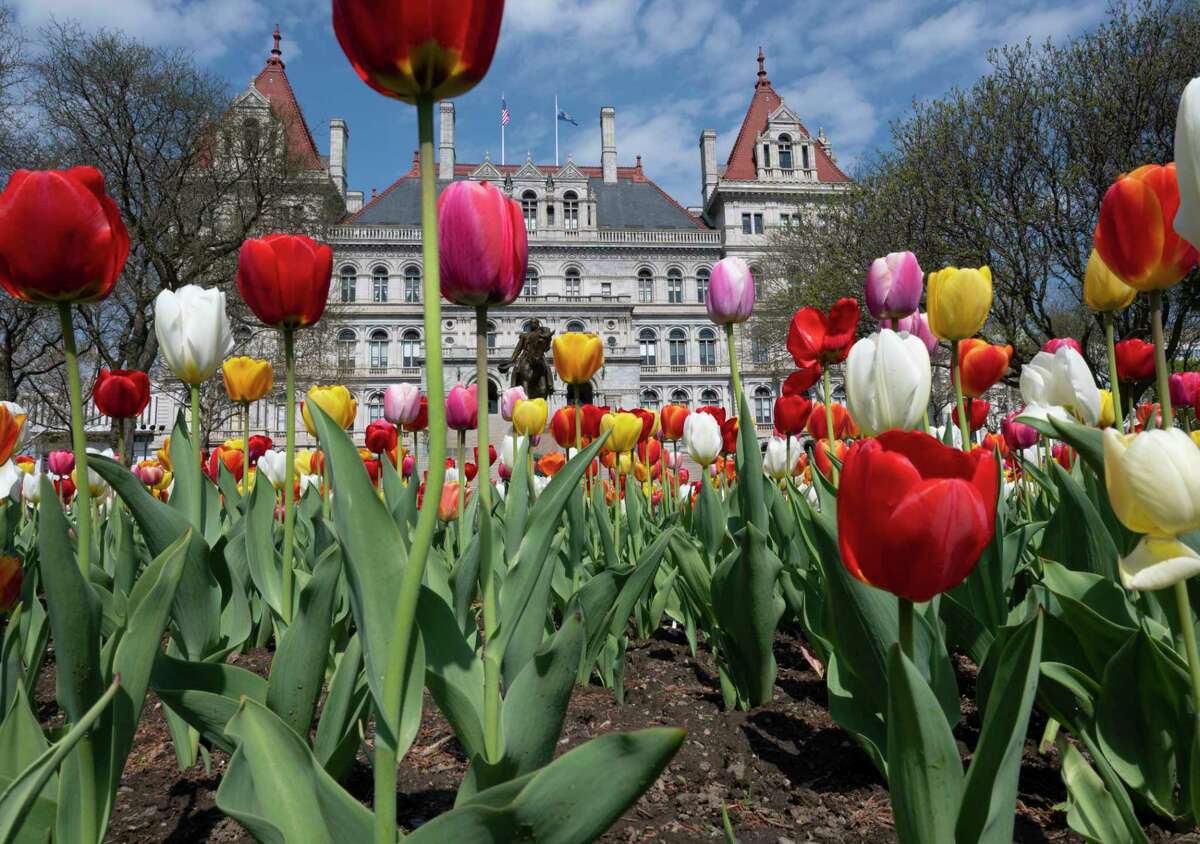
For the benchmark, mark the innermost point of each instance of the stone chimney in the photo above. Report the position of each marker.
(339, 141)
(446, 141)
(708, 163)
(608, 144)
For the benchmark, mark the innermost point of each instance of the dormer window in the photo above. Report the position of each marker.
(785, 152)
(766, 149)
(570, 210)
(529, 210)
(804, 157)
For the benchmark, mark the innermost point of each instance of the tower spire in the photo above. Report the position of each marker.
(276, 53)
(762, 69)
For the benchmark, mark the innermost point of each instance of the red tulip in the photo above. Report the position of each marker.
(1135, 360)
(1064, 455)
(1136, 235)
(673, 416)
(260, 444)
(65, 488)
(977, 410)
(419, 49)
(592, 414)
(821, 455)
(715, 412)
(914, 515)
(483, 244)
(61, 236)
(791, 414)
(1148, 415)
(284, 278)
(381, 436)
(996, 441)
(562, 426)
(409, 464)
(121, 393)
(231, 457)
(798, 383)
(1052, 345)
(422, 420)
(491, 454)
(1184, 388)
(1018, 435)
(650, 452)
(814, 337)
(316, 463)
(729, 435)
(374, 469)
(11, 575)
(982, 365)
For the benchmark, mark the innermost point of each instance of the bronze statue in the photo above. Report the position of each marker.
(528, 362)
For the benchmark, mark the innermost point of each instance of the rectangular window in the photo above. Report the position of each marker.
(573, 286)
(606, 289)
(746, 224)
(762, 410)
(379, 289)
(412, 289)
(758, 223)
(649, 351)
(348, 289)
(675, 290)
(678, 353)
(645, 290)
(804, 156)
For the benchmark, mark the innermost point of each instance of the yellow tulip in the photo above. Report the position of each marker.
(529, 417)
(303, 462)
(337, 402)
(578, 356)
(1196, 438)
(247, 379)
(164, 453)
(1107, 417)
(1103, 290)
(958, 301)
(626, 429)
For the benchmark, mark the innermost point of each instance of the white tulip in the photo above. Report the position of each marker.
(540, 482)
(508, 450)
(781, 456)
(193, 331)
(703, 437)
(10, 479)
(887, 381)
(31, 488)
(273, 466)
(307, 481)
(1058, 384)
(97, 487)
(451, 475)
(501, 489)
(1187, 164)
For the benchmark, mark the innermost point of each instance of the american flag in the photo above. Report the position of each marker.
(505, 117)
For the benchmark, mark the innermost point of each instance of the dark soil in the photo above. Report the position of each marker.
(784, 772)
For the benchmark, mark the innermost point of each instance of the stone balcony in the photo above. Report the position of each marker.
(351, 234)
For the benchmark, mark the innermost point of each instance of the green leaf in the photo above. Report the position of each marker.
(990, 790)
(1076, 535)
(1091, 811)
(516, 500)
(298, 669)
(560, 804)
(277, 789)
(21, 795)
(925, 774)
(345, 709)
(206, 694)
(453, 672)
(21, 744)
(1095, 609)
(259, 542)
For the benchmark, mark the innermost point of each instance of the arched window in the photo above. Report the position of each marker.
(528, 325)
(379, 284)
(645, 285)
(649, 399)
(572, 283)
(702, 276)
(709, 396)
(707, 343)
(251, 138)
(491, 335)
(612, 343)
(349, 280)
(758, 283)
(648, 344)
(529, 210)
(410, 348)
(677, 347)
(785, 152)
(374, 407)
(493, 397)
(570, 210)
(377, 348)
(674, 286)
(576, 325)
(345, 350)
(681, 397)
(412, 284)
(532, 283)
(763, 404)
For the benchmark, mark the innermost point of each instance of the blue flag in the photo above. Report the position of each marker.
(562, 115)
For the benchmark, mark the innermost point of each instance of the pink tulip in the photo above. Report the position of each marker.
(509, 400)
(60, 462)
(461, 408)
(1055, 343)
(1018, 435)
(409, 464)
(894, 285)
(1184, 387)
(401, 403)
(150, 475)
(917, 324)
(730, 292)
(484, 251)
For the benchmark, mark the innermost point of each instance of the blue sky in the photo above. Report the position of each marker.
(670, 68)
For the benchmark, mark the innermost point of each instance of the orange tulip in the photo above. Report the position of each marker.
(11, 575)
(1136, 236)
(982, 365)
(821, 455)
(10, 432)
(448, 506)
(551, 463)
(673, 416)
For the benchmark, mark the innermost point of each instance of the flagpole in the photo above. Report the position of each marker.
(556, 130)
(503, 104)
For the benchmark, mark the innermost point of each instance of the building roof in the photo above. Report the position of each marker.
(272, 83)
(634, 202)
(740, 166)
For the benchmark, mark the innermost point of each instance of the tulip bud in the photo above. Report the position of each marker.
(247, 379)
(982, 364)
(626, 430)
(59, 462)
(529, 417)
(193, 331)
(1052, 345)
(381, 436)
(1135, 236)
(673, 418)
(1184, 388)
(959, 301)
(918, 325)
(1018, 435)
(702, 436)
(508, 401)
(1103, 290)
(1135, 360)
(894, 285)
(284, 279)
(421, 422)
(336, 401)
(730, 296)
(462, 407)
(482, 244)
(888, 381)
(121, 393)
(577, 356)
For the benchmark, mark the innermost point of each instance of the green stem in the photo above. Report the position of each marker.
(1113, 381)
(462, 486)
(1162, 374)
(289, 475)
(245, 448)
(617, 513)
(491, 609)
(828, 387)
(83, 500)
(197, 458)
(735, 376)
(906, 626)
(964, 421)
(1184, 606)
(414, 570)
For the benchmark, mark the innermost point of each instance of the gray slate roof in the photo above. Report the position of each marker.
(628, 204)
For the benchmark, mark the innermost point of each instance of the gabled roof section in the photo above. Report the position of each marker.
(272, 83)
(487, 171)
(765, 102)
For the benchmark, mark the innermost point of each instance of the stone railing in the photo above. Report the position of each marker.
(352, 233)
